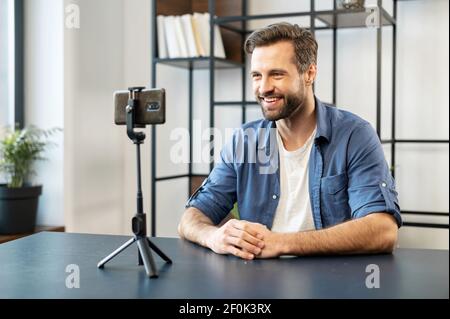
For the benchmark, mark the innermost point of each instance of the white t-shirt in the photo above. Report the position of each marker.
(294, 211)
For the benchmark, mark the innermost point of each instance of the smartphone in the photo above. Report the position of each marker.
(151, 107)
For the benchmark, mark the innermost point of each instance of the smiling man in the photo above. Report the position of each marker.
(331, 191)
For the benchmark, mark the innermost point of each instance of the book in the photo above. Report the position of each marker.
(188, 36)
(203, 31)
(171, 37)
(197, 35)
(181, 38)
(219, 49)
(186, 21)
(203, 20)
(162, 44)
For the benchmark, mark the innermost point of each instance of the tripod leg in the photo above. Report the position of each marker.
(147, 257)
(159, 252)
(140, 262)
(115, 252)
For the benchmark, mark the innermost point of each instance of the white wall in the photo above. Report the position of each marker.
(94, 154)
(6, 63)
(136, 72)
(89, 182)
(108, 52)
(44, 101)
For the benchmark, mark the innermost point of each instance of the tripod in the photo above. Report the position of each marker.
(138, 222)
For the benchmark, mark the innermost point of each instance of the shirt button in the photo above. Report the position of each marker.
(274, 196)
(383, 184)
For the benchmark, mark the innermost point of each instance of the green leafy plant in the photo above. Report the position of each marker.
(19, 149)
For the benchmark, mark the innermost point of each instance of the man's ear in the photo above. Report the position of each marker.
(310, 75)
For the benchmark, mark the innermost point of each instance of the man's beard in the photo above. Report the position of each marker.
(292, 104)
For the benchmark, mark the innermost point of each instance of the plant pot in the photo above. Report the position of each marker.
(18, 209)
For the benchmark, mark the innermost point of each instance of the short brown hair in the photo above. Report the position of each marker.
(305, 46)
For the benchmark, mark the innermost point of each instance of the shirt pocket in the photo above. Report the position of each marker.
(334, 199)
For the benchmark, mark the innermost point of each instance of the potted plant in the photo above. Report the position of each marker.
(19, 149)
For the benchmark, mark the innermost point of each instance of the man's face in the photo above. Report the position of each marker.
(277, 84)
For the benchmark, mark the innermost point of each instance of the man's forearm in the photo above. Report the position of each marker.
(376, 233)
(195, 226)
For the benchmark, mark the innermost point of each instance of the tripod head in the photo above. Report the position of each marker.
(138, 107)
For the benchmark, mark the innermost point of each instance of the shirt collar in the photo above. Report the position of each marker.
(323, 121)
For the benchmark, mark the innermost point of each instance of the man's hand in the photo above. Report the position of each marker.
(272, 242)
(239, 238)
(374, 233)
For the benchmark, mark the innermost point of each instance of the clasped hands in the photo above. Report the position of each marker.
(245, 240)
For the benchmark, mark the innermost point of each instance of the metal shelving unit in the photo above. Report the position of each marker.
(393, 141)
(329, 20)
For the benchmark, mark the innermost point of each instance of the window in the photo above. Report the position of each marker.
(11, 62)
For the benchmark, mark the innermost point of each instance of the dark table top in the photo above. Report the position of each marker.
(35, 267)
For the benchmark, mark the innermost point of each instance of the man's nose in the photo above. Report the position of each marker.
(265, 86)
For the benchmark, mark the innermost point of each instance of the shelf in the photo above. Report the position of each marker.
(235, 103)
(426, 225)
(231, 16)
(199, 63)
(350, 18)
(409, 212)
(415, 141)
(166, 178)
(330, 18)
(196, 180)
(223, 20)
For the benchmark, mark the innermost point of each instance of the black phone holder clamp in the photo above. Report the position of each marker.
(138, 222)
(133, 100)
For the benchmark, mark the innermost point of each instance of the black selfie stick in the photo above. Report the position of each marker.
(138, 223)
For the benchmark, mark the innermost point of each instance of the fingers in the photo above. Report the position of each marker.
(257, 242)
(240, 253)
(250, 228)
(242, 244)
(242, 239)
(243, 236)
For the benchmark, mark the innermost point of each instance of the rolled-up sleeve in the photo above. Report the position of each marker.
(371, 185)
(216, 196)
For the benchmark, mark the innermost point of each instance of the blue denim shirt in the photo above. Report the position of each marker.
(348, 174)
